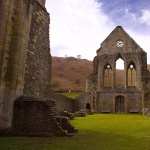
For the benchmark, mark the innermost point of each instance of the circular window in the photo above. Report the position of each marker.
(120, 43)
(131, 66)
(108, 67)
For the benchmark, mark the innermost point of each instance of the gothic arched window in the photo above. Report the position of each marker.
(131, 75)
(120, 73)
(107, 76)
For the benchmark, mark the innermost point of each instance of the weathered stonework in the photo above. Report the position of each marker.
(37, 117)
(33, 117)
(38, 62)
(128, 98)
(26, 105)
(15, 18)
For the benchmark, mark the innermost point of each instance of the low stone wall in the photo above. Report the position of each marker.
(2, 122)
(64, 103)
(37, 117)
(33, 117)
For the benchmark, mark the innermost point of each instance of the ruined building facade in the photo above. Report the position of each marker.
(109, 89)
(27, 105)
(25, 61)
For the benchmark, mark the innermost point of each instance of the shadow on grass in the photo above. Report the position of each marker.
(85, 140)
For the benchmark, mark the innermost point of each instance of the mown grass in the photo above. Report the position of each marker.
(72, 95)
(96, 132)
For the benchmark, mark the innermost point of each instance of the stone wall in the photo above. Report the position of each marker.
(15, 17)
(132, 101)
(25, 72)
(33, 117)
(25, 61)
(37, 117)
(64, 104)
(38, 62)
(135, 97)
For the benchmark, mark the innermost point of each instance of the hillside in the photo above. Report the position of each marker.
(70, 73)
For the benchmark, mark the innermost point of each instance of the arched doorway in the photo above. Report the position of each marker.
(120, 104)
(88, 107)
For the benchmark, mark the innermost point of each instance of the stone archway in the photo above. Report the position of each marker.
(88, 107)
(120, 104)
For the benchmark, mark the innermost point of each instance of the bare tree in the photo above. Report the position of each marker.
(78, 56)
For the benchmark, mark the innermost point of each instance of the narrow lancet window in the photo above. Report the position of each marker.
(131, 78)
(120, 73)
(107, 76)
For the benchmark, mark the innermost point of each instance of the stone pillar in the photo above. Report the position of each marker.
(6, 14)
(126, 75)
(6, 11)
(86, 85)
(126, 103)
(37, 80)
(114, 74)
(14, 42)
(139, 76)
(113, 106)
(99, 78)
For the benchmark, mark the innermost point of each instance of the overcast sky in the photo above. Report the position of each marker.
(79, 26)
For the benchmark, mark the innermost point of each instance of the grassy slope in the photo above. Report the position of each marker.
(70, 73)
(73, 95)
(97, 132)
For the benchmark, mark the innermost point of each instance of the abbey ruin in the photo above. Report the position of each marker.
(26, 106)
(106, 91)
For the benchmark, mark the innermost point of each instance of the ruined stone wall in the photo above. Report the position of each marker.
(133, 101)
(108, 53)
(33, 117)
(108, 46)
(38, 62)
(128, 58)
(146, 86)
(14, 28)
(25, 61)
(64, 103)
(135, 97)
(42, 2)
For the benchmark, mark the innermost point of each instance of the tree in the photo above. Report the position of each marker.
(78, 56)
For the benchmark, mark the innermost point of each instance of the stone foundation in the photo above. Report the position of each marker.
(37, 117)
(132, 101)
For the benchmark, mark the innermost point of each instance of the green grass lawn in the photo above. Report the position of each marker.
(72, 95)
(96, 132)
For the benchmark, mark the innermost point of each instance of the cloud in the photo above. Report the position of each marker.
(77, 27)
(130, 17)
(145, 17)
